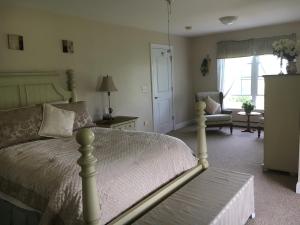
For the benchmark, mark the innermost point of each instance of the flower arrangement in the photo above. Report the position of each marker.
(248, 106)
(286, 49)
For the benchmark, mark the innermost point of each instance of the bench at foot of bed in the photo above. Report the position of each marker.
(214, 197)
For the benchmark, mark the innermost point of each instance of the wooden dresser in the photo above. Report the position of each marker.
(281, 125)
(119, 122)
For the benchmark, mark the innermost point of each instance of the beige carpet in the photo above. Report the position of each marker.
(276, 202)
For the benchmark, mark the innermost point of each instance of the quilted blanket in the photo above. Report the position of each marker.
(44, 174)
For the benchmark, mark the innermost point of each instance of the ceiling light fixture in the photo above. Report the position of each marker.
(228, 20)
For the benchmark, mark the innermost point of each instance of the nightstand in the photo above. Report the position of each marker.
(119, 122)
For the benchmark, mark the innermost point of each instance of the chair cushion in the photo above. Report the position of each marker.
(212, 107)
(219, 118)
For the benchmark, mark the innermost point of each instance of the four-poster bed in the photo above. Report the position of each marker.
(87, 161)
(26, 89)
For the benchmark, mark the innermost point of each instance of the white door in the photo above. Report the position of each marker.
(162, 90)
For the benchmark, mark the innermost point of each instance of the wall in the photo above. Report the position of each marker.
(208, 44)
(100, 49)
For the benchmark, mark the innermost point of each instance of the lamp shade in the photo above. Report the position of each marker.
(107, 85)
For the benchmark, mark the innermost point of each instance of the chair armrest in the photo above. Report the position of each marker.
(226, 111)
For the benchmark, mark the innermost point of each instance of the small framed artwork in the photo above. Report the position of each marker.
(67, 46)
(15, 42)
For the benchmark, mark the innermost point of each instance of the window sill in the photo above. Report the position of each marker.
(240, 109)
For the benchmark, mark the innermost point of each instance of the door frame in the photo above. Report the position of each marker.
(166, 47)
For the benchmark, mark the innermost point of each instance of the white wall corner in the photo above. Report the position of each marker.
(184, 124)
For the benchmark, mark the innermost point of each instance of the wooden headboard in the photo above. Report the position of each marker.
(18, 89)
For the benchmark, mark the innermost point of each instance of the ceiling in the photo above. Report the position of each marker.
(202, 15)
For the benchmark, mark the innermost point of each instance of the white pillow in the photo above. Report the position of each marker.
(212, 107)
(56, 122)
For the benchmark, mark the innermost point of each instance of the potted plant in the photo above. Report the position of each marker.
(289, 50)
(248, 106)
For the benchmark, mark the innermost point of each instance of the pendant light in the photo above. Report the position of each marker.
(169, 8)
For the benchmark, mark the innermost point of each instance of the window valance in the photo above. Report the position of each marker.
(244, 48)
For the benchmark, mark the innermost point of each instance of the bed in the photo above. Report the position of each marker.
(96, 198)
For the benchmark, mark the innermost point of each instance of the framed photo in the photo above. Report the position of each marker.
(15, 42)
(67, 46)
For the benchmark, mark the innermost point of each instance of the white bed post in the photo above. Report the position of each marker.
(87, 162)
(71, 84)
(201, 135)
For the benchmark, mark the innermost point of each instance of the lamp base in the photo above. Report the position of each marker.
(108, 116)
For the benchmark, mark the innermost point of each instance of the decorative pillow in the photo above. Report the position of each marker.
(212, 107)
(82, 117)
(20, 125)
(56, 122)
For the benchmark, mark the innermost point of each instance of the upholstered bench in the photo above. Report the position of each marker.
(215, 197)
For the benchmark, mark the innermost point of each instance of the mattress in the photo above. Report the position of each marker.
(215, 197)
(44, 174)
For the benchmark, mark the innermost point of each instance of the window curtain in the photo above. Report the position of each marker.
(251, 47)
(221, 78)
(243, 48)
(220, 71)
(221, 84)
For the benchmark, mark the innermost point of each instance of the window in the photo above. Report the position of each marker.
(242, 78)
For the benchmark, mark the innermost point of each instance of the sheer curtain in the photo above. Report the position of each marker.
(223, 86)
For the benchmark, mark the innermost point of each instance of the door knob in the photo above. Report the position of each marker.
(156, 97)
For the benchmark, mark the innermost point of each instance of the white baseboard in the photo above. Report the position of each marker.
(298, 187)
(184, 124)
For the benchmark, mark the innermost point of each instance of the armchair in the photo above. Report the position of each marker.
(222, 119)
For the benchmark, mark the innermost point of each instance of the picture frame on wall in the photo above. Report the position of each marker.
(67, 46)
(15, 42)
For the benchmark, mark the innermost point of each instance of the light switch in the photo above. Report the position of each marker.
(144, 89)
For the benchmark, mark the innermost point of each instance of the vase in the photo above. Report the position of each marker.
(291, 67)
(248, 111)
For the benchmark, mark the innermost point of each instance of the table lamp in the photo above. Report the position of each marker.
(108, 86)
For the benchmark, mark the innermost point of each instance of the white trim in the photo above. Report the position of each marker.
(166, 47)
(298, 187)
(160, 46)
(184, 124)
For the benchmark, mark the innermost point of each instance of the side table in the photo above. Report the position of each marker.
(248, 128)
(119, 122)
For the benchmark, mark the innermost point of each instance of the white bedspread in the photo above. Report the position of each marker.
(44, 174)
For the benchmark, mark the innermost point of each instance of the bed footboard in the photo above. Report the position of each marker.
(87, 162)
(201, 135)
(90, 200)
